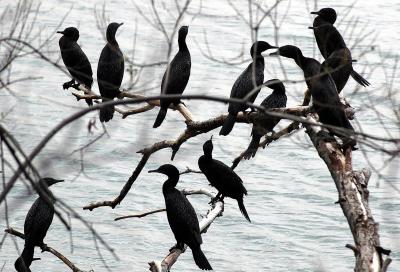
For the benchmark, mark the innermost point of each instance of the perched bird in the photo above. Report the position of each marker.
(326, 99)
(246, 83)
(75, 60)
(175, 77)
(182, 217)
(334, 49)
(110, 71)
(37, 222)
(277, 99)
(325, 16)
(222, 177)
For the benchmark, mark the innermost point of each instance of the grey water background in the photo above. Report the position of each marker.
(295, 224)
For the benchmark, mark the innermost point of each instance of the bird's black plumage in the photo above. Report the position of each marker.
(326, 99)
(277, 99)
(333, 48)
(182, 217)
(110, 71)
(75, 60)
(222, 177)
(37, 222)
(249, 80)
(325, 16)
(175, 77)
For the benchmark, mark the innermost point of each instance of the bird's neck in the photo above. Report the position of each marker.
(170, 183)
(208, 156)
(182, 44)
(46, 195)
(278, 92)
(301, 61)
(258, 58)
(111, 39)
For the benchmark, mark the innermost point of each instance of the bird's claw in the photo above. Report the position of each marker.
(68, 84)
(43, 247)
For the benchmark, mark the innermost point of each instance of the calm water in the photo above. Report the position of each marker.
(295, 225)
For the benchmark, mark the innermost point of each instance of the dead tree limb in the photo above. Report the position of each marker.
(353, 199)
(193, 129)
(89, 94)
(48, 249)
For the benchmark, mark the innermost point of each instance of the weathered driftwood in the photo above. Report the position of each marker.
(353, 199)
(48, 249)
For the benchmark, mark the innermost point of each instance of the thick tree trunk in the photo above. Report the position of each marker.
(353, 199)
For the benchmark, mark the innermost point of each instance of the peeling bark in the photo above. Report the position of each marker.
(353, 199)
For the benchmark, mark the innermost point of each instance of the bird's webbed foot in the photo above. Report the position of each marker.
(179, 245)
(216, 198)
(68, 84)
(349, 143)
(44, 247)
(75, 86)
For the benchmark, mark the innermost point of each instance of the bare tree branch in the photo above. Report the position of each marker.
(45, 247)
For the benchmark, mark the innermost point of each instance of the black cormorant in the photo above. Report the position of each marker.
(182, 217)
(175, 77)
(75, 60)
(110, 71)
(326, 99)
(333, 48)
(250, 78)
(37, 222)
(222, 177)
(325, 16)
(275, 100)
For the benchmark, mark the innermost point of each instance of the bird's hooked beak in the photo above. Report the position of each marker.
(314, 12)
(211, 137)
(276, 53)
(57, 181)
(154, 171)
(120, 24)
(60, 32)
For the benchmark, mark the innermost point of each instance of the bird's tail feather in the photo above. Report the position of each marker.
(26, 258)
(360, 80)
(106, 113)
(252, 149)
(200, 259)
(160, 117)
(89, 102)
(243, 209)
(228, 125)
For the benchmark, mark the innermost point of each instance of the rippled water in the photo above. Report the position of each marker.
(295, 225)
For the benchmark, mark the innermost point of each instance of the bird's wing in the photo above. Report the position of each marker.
(244, 84)
(230, 181)
(178, 74)
(38, 221)
(183, 219)
(110, 71)
(77, 64)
